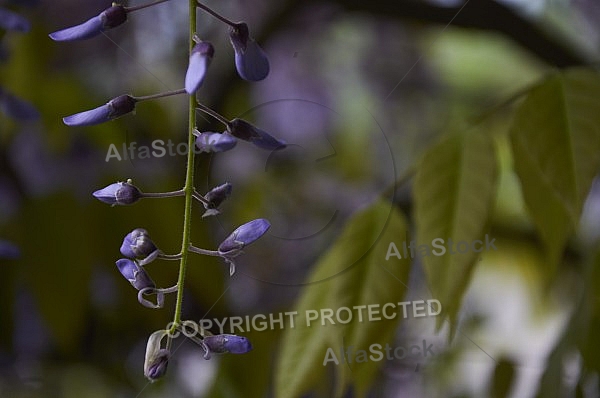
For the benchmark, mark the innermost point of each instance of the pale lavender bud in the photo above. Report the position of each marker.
(245, 131)
(244, 235)
(115, 108)
(215, 142)
(200, 58)
(119, 193)
(136, 275)
(227, 343)
(157, 358)
(251, 61)
(107, 19)
(13, 21)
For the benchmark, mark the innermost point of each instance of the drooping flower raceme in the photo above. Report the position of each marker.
(137, 247)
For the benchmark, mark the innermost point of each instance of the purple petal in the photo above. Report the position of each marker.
(9, 250)
(115, 108)
(137, 244)
(244, 235)
(158, 367)
(91, 28)
(107, 19)
(17, 108)
(228, 343)
(215, 142)
(200, 58)
(89, 118)
(13, 21)
(251, 61)
(135, 274)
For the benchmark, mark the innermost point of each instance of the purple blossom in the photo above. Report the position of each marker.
(17, 108)
(115, 108)
(227, 343)
(245, 131)
(215, 142)
(136, 275)
(13, 21)
(9, 250)
(107, 19)
(137, 244)
(200, 58)
(243, 236)
(119, 193)
(157, 366)
(251, 61)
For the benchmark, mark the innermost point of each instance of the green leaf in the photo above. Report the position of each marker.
(454, 192)
(353, 272)
(556, 149)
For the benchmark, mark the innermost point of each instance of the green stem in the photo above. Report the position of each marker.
(189, 184)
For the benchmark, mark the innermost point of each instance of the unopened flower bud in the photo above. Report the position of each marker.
(136, 275)
(215, 197)
(200, 57)
(137, 244)
(243, 236)
(251, 61)
(157, 358)
(245, 131)
(113, 109)
(227, 343)
(107, 19)
(119, 193)
(215, 142)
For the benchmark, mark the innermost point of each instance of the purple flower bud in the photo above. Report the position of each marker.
(107, 19)
(158, 366)
(245, 131)
(215, 142)
(9, 251)
(251, 61)
(227, 343)
(115, 108)
(200, 58)
(137, 244)
(135, 274)
(12, 21)
(16, 108)
(119, 193)
(244, 235)
(217, 195)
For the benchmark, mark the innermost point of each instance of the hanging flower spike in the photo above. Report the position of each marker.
(119, 193)
(13, 21)
(16, 108)
(215, 197)
(243, 236)
(200, 58)
(245, 131)
(137, 244)
(136, 275)
(157, 359)
(228, 343)
(215, 142)
(107, 19)
(113, 109)
(251, 61)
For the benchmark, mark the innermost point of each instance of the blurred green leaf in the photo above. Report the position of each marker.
(556, 149)
(354, 273)
(454, 193)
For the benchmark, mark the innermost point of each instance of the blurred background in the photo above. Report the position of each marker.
(359, 90)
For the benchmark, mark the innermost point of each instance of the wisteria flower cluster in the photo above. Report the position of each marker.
(138, 249)
(11, 105)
